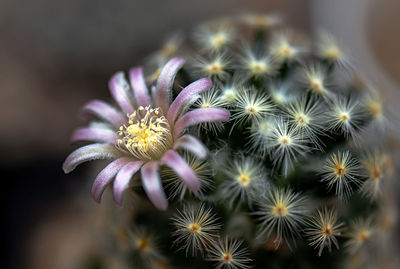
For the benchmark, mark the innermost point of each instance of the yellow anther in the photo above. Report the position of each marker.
(302, 119)
(258, 67)
(285, 140)
(344, 116)
(206, 105)
(229, 95)
(316, 84)
(327, 231)
(280, 210)
(243, 179)
(218, 40)
(227, 257)
(194, 227)
(332, 53)
(147, 136)
(285, 50)
(251, 109)
(340, 170)
(214, 68)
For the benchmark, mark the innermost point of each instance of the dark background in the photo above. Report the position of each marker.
(57, 55)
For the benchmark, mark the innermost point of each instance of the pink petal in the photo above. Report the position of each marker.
(89, 153)
(105, 112)
(119, 89)
(182, 169)
(152, 185)
(95, 135)
(208, 114)
(105, 177)
(187, 96)
(123, 178)
(166, 81)
(192, 144)
(139, 87)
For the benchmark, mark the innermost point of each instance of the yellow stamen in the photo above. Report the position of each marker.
(142, 244)
(332, 53)
(218, 40)
(375, 109)
(243, 179)
(227, 257)
(338, 166)
(257, 68)
(285, 51)
(194, 227)
(316, 84)
(229, 95)
(206, 105)
(251, 109)
(302, 119)
(376, 173)
(344, 116)
(340, 171)
(280, 210)
(147, 136)
(285, 140)
(214, 68)
(327, 231)
(363, 235)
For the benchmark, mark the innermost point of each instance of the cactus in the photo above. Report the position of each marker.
(290, 181)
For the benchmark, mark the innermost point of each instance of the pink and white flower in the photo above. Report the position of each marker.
(144, 133)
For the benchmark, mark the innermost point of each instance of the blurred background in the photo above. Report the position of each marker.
(56, 55)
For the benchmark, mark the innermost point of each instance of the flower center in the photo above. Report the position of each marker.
(243, 179)
(375, 109)
(316, 84)
(214, 68)
(376, 173)
(332, 53)
(285, 50)
(340, 171)
(251, 109)
(229, 95)
(363, 235)
(147, 136)
(142, 244)
(258, 67)
(206, 105)
(218, 40)
(226, 257)
(194, 228)
(280, 210)
(327, 231)
(285, 140)
(302, 119)
(344, 116)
